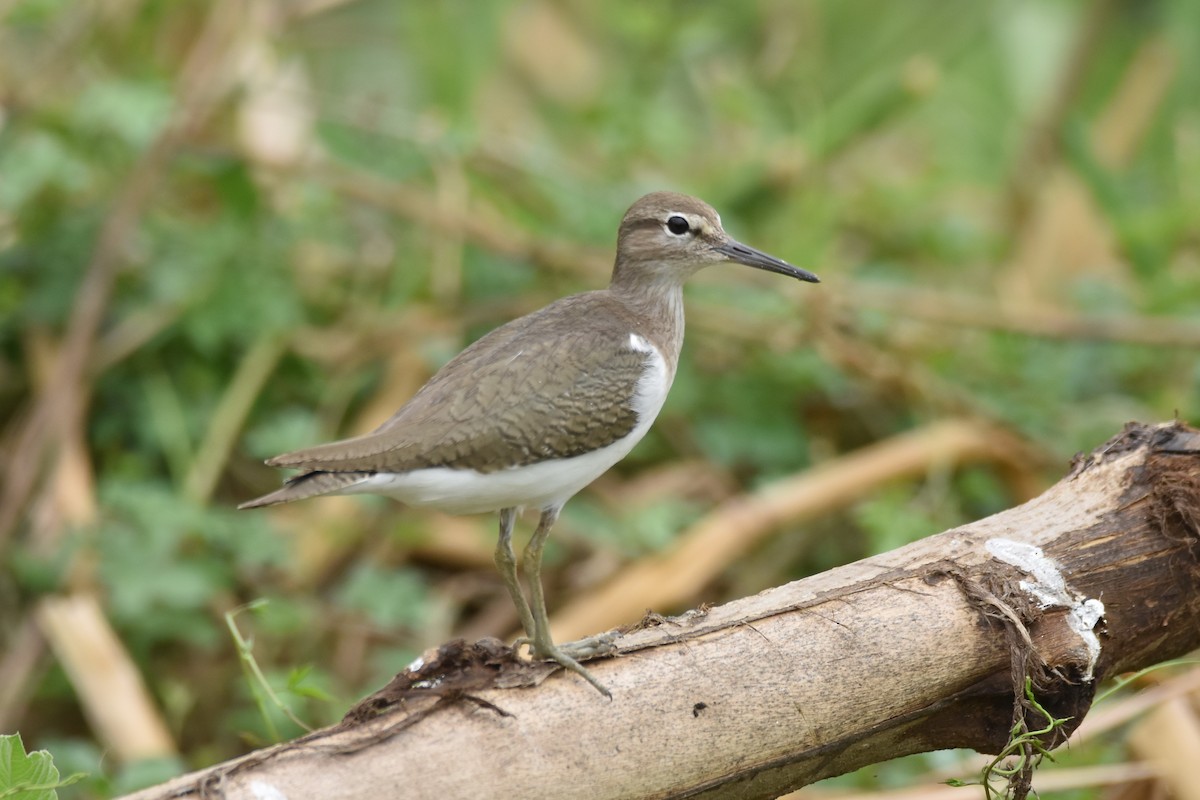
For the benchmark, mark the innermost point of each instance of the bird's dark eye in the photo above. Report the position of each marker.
(678, 225)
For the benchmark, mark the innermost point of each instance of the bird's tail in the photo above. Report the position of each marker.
(309, 484)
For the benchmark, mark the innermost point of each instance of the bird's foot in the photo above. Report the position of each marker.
(548, 651)
(568, 654)
(598, 646)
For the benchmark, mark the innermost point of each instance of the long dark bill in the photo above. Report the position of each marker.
(742, 254)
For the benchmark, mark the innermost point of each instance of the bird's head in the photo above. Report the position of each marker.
(666, 237)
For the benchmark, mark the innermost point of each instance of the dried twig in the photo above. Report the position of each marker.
(110, 688)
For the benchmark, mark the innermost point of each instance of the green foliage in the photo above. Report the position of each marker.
(1020, 755)
(632, 531)
(270, 705)
(893, 518)
(28, 776)
(163, 559)
(390, 599)
(883, 146)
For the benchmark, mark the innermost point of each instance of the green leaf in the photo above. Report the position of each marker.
(389, 598)
(38, 161)
(299, 685)
(31, 776)
(133, 111)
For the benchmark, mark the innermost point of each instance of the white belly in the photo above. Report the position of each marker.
(547, 484)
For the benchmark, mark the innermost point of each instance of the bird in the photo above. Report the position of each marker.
(535, 410)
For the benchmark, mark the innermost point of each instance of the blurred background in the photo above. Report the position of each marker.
(230, 229)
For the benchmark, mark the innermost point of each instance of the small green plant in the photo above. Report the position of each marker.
(259, 686)
(1007, 775)
(29, 776)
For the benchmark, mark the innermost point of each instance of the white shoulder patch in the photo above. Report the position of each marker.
(641, 345)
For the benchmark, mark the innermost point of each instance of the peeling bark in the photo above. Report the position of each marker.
(923, 648)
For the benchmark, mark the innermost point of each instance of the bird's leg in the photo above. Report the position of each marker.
(506, 563)
(543, 646)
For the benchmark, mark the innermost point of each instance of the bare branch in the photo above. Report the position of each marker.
(914, 650)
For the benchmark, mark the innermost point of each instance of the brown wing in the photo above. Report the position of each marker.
(546, 386)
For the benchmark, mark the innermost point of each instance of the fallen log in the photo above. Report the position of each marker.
(990, 636)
